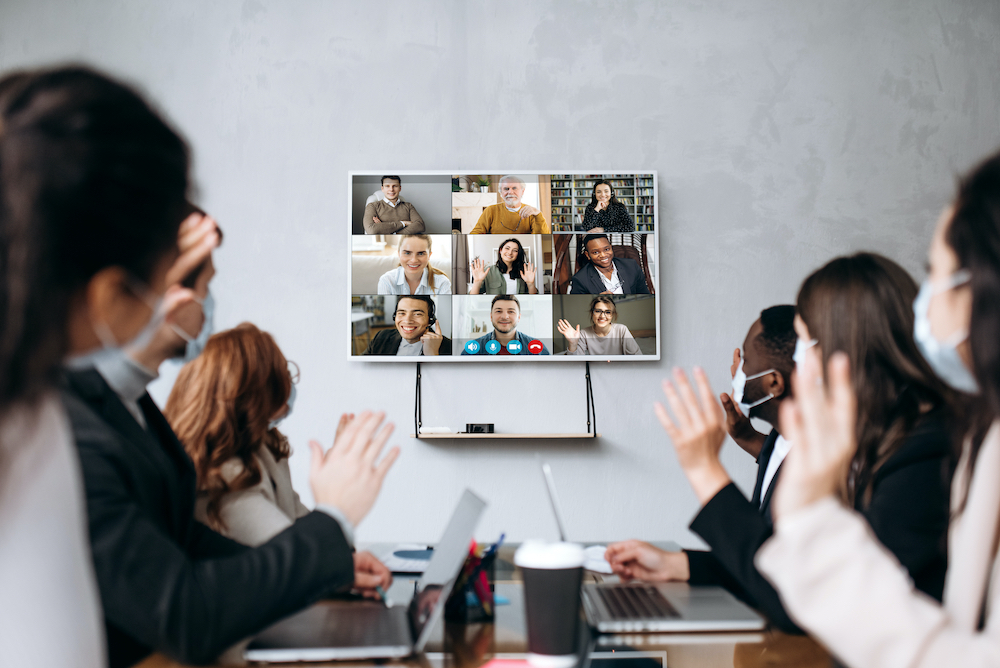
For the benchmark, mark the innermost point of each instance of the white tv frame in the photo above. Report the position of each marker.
(493, 359)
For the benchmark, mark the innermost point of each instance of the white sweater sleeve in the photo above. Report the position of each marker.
(839, 583)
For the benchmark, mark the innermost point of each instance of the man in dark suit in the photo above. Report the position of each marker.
(733, 527)
(606, 274)
(417, 330)
(167, 582)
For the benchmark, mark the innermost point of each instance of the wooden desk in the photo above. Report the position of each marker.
(472, 645)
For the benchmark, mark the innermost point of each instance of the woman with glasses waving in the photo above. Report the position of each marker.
(604, 337)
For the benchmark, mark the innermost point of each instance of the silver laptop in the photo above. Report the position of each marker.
(331, 631)
(638, 607)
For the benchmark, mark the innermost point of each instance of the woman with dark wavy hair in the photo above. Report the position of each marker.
(225, 408)
(605, 213)
(511, 275)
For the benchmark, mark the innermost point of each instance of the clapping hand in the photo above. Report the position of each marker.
(820, 422)
(528, 273)
(347, 476)
(432, 339)
(572, 335)
(528, 210)
(696, 431)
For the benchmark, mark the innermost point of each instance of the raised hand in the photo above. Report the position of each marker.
(528, 210)
(479, 270)
(572, 335)
(432, 339)
(370, 573)
(696, 431)
(820, 422)
(528, 273)
(347, 476)
(345, 419)
(197, 237)
(636, 560)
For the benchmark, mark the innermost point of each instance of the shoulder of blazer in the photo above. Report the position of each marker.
(385, 340)
(588, 277)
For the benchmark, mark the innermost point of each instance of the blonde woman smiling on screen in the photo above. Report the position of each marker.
(511, 275)
(414, 275)
(604, 337)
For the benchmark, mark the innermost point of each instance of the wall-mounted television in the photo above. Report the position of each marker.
(503, 266)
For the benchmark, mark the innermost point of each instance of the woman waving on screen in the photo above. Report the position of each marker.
(604, 337)
(511, 275)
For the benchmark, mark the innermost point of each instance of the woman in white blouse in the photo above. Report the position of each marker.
(415, 275)
(833, 577)
(605, 336)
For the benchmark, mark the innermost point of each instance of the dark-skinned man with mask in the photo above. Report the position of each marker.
(731, 525)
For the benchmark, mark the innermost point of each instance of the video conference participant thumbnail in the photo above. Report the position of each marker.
(505, 315)
(605, 213)
(417, 330)
(605, 336)
(605, 274)
(415, 275)
(512, 273)
(511, 216)
(392, 215)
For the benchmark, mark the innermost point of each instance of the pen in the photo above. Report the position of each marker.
(383, 596)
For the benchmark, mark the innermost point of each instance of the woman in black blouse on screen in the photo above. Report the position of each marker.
(605, 213)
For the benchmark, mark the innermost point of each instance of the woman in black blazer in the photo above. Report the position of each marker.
(899, 478)
(605, 213)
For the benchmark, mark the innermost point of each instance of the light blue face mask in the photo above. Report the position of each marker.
(110, 347)
(273, 424)
(800, 350)
(196, 344)
(942, 355)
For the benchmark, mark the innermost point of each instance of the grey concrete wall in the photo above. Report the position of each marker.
(784, 133)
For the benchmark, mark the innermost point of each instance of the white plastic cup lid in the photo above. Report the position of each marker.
(552, 556)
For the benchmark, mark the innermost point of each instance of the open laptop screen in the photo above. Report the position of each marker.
(444, 567)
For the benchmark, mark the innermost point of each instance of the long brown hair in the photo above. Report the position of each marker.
(221, 405)
(862, 305)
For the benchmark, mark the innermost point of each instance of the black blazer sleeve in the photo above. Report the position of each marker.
(908, 514)
(635, 278)
(166, 583)
(580, 285)
(735, 530)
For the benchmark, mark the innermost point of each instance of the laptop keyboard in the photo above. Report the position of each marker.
(634, 602)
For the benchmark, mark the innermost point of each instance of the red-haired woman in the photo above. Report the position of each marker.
(224, 408)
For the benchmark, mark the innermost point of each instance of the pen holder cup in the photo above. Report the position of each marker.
(471, 600)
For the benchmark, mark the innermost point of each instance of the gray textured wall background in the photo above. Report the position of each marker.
(784, 133)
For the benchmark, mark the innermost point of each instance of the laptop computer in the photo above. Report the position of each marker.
(330, 631)
(641, 607)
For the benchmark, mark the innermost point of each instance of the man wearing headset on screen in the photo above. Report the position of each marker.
(417, 330)
(505, 313)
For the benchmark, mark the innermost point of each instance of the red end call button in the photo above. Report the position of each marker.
(535, 347)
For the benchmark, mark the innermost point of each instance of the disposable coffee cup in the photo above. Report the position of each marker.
(553, 573)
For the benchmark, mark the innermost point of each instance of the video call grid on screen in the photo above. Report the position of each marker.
(469, 220)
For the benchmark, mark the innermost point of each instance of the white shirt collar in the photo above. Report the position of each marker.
(398, 200)
(614, 283)
(401, 277)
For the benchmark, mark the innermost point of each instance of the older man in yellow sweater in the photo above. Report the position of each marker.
(511, 216)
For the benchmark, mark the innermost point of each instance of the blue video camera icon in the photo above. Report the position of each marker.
(514, 347)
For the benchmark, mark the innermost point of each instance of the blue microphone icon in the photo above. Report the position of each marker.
(492, 346)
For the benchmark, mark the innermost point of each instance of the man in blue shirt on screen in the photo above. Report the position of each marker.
(505, 313)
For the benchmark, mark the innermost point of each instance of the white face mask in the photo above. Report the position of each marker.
(739, 387)
(942, 355)
(196, 344)
(800, 350)
(110, 346)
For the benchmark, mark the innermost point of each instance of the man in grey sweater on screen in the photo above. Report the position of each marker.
(392, 215)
